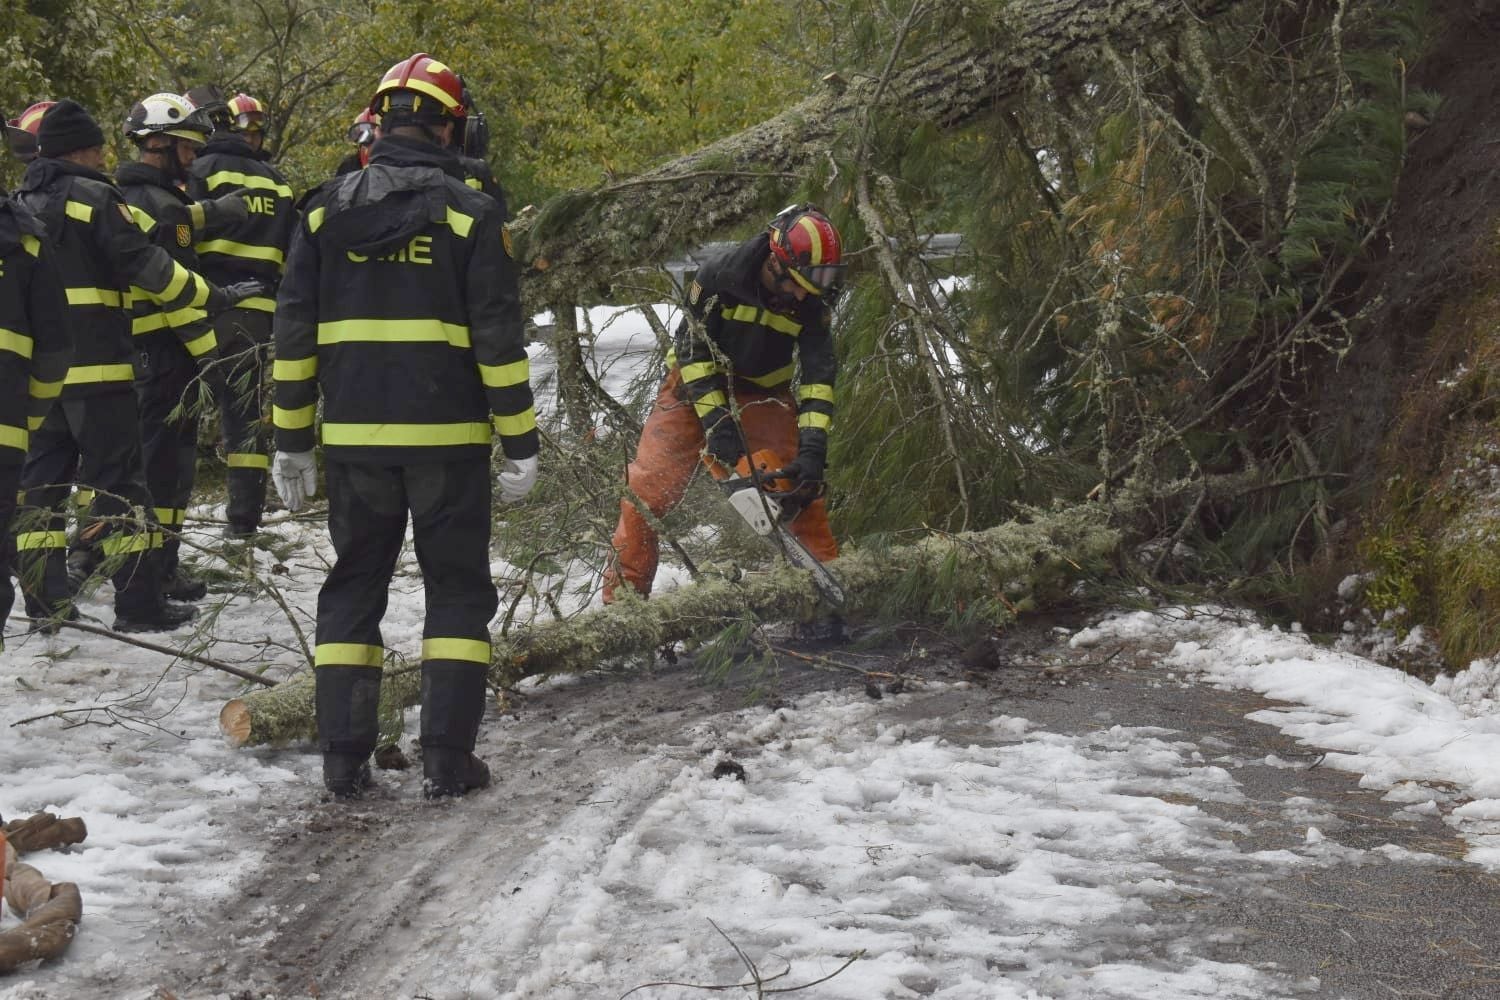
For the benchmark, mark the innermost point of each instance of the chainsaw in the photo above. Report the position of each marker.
(760, 501)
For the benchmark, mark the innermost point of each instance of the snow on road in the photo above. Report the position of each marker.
(1023, 864)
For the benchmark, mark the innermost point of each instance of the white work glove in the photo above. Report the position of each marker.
(295, 474)
(517, 477)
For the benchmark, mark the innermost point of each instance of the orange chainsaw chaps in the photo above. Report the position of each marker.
(666, 457)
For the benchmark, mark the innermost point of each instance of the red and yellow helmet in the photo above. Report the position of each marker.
(422, 89)
(246, 114)
(21, 131)
(31, 119)
(808, 246)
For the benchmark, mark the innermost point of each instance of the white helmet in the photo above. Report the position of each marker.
(167, 114)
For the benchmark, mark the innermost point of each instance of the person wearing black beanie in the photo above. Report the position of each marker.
(92, 434)
(67, 128)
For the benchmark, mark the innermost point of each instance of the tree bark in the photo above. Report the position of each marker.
(580, 242)
(1006, 570)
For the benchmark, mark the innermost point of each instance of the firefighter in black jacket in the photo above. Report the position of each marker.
(173, 348)
(400, 305)
(34, 353)
(94, 433)
(254, 250)
(755, 317)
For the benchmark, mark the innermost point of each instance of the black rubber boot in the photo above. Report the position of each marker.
(163, 619)
(346, 775)
(180, 586)
(453, 697)
(347, 701)
(82, 562)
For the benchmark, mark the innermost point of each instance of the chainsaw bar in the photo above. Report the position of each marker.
(763, 514)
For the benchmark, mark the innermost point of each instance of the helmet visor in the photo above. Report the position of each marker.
(361, 133)
(250, 121)
(820, 279)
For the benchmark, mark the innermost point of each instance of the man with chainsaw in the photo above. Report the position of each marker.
(401, 308)
(756, 318)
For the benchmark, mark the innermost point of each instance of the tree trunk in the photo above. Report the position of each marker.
(1005, 570)
(579, 242)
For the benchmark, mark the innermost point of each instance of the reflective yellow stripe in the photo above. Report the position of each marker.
(807, 225)
(393, 331)
(83, 496)
(347, 654)
(78, 210)
(780, 376)
(247, 460)
(140, 541)
(284, 370)
(170, 516)
(430, 89)
(180, 277)
(762, 317)
(709, 403)
(90, 374)
(16, 343)
(474, 182)
(32, 423)
(13, 437)
(44, 390)
(248, 181)
(31, 245)
(408, 435)
(293, 420)
(469, 650)
(247, 250)
(197, 217)
(515, 426)
(816, 390)
(143, 221)
(820, 421)
(257, 302)
(200, 346)
(30, 541)
(702, 369)
(94, 297)
(315, 219)
(500, 376)
(148, 324)
(459, 222)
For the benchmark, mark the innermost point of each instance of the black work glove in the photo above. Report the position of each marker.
(225, 210)
(229, 296)
(724, 443)
(804, 476)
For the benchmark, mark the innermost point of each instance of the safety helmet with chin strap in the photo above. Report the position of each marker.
(169, 115)
(809, 248)
(419, 90)
(21, 131)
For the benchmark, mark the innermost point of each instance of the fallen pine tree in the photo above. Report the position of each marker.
(995, 574)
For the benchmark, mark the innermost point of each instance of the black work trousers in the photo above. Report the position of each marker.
(244, 337)
(449, 506)
(167, 397)
(10, 478)
(95, 440)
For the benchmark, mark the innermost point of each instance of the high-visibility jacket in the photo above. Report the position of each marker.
(401, 305)
(34, 341)
(254, 250)
(730, 336)
(104, 260)
(172, 221)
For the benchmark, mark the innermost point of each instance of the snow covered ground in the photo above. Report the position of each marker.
(955, 868)
(952, 867)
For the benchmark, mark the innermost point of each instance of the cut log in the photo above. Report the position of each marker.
(581, 241)
(43, 831)
(1005, 570)
(49, 918)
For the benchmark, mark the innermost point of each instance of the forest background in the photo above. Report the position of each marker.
(1227, 266)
